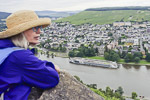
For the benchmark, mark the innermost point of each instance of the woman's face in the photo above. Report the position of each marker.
(32, 35)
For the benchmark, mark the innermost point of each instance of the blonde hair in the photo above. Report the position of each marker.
(20, 41)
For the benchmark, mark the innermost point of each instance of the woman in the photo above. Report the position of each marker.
(20, 70)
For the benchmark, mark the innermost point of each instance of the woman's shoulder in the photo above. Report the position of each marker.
(21, 56)
(22, 53)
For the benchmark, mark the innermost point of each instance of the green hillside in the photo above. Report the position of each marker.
(119, 8)
(107, 17)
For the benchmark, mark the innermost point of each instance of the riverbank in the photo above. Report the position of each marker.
(65, 55)
(142, 62)
(57, 54)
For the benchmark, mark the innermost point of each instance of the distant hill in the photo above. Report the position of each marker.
(109, 15)
(4, 15)
(119, 8)
(56, 14)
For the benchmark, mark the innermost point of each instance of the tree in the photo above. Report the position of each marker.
(96, 51)
(86, 51)
(109, 92)
(138, 54)
(106, 49)
(137, 59)
(60, 47)
(134, 95)
(71, 54)
(112, 56)
(124, 53)
(94, 86)
(145, 50)
(120, 90)
(83, 51)
(80, 54)
(147, 57)
(128, 58)
(92, 51)
(115, 57)
(106, 55)
(119, 53)
(117, 94)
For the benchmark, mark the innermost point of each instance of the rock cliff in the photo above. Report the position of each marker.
(68, 89)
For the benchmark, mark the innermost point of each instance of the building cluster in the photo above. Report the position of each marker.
(118, 36)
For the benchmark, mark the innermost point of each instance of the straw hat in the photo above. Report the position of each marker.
(21, 21)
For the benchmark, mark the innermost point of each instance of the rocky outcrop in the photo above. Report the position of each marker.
(68, 89)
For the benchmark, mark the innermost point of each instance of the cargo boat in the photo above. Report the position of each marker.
(93, 62)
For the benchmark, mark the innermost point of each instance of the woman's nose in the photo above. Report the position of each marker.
(38, 31)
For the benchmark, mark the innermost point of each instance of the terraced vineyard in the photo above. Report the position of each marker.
(107, 17)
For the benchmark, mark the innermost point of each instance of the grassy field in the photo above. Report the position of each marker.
(107, 17)
(142, 62)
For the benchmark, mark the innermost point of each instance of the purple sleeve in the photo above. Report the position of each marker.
(36, 72)
(21, 90)
(50, 64)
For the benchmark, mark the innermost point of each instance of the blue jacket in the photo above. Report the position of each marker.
(21, 70)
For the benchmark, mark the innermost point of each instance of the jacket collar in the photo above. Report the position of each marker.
(5, 43)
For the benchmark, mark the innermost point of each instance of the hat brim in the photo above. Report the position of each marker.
(25, 26)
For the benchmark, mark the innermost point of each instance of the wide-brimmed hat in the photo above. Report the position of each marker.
(21, 21)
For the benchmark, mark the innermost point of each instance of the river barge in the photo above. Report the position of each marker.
(93, 62)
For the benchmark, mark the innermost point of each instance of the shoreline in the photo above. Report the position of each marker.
(124, 63)
(134, 64)
(63, 55)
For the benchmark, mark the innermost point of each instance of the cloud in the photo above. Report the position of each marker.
(65, 5)
(106, 3)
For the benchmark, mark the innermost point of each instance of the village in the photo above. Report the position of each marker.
(119, 36)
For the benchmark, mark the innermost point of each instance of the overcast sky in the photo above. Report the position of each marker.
(65, 5)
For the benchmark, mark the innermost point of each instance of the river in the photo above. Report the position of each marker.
(130, 78)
